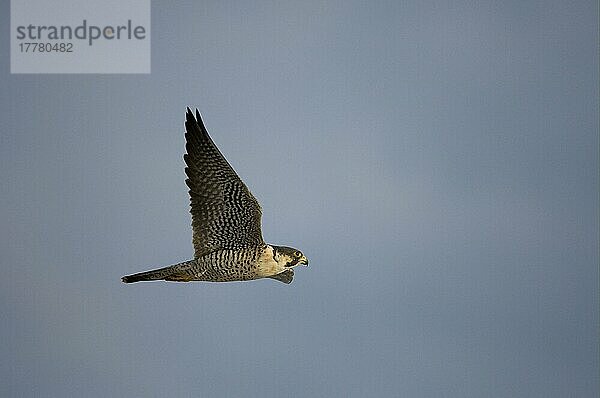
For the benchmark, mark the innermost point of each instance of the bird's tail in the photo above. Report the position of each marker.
(154, 275)
(171, 273)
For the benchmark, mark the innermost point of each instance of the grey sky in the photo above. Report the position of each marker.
(437, 162)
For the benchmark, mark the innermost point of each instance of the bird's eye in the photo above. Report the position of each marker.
(298, 254)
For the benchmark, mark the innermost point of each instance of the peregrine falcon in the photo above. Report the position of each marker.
(226, 223)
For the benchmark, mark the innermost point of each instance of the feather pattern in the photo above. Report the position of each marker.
(225, 214)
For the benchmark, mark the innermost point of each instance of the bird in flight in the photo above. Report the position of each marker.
(226, 223)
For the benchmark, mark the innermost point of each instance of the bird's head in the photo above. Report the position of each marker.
(288, 256)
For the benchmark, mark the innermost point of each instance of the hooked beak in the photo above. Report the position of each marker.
(304, 261)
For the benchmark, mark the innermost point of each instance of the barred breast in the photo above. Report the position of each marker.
(228, 265)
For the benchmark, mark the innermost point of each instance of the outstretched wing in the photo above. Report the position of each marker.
(225, 214)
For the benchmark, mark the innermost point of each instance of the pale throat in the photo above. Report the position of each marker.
(266, 265)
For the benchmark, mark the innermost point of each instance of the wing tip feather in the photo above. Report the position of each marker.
(192, 122)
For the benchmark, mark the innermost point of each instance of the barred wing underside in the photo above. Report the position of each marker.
(225, 214)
